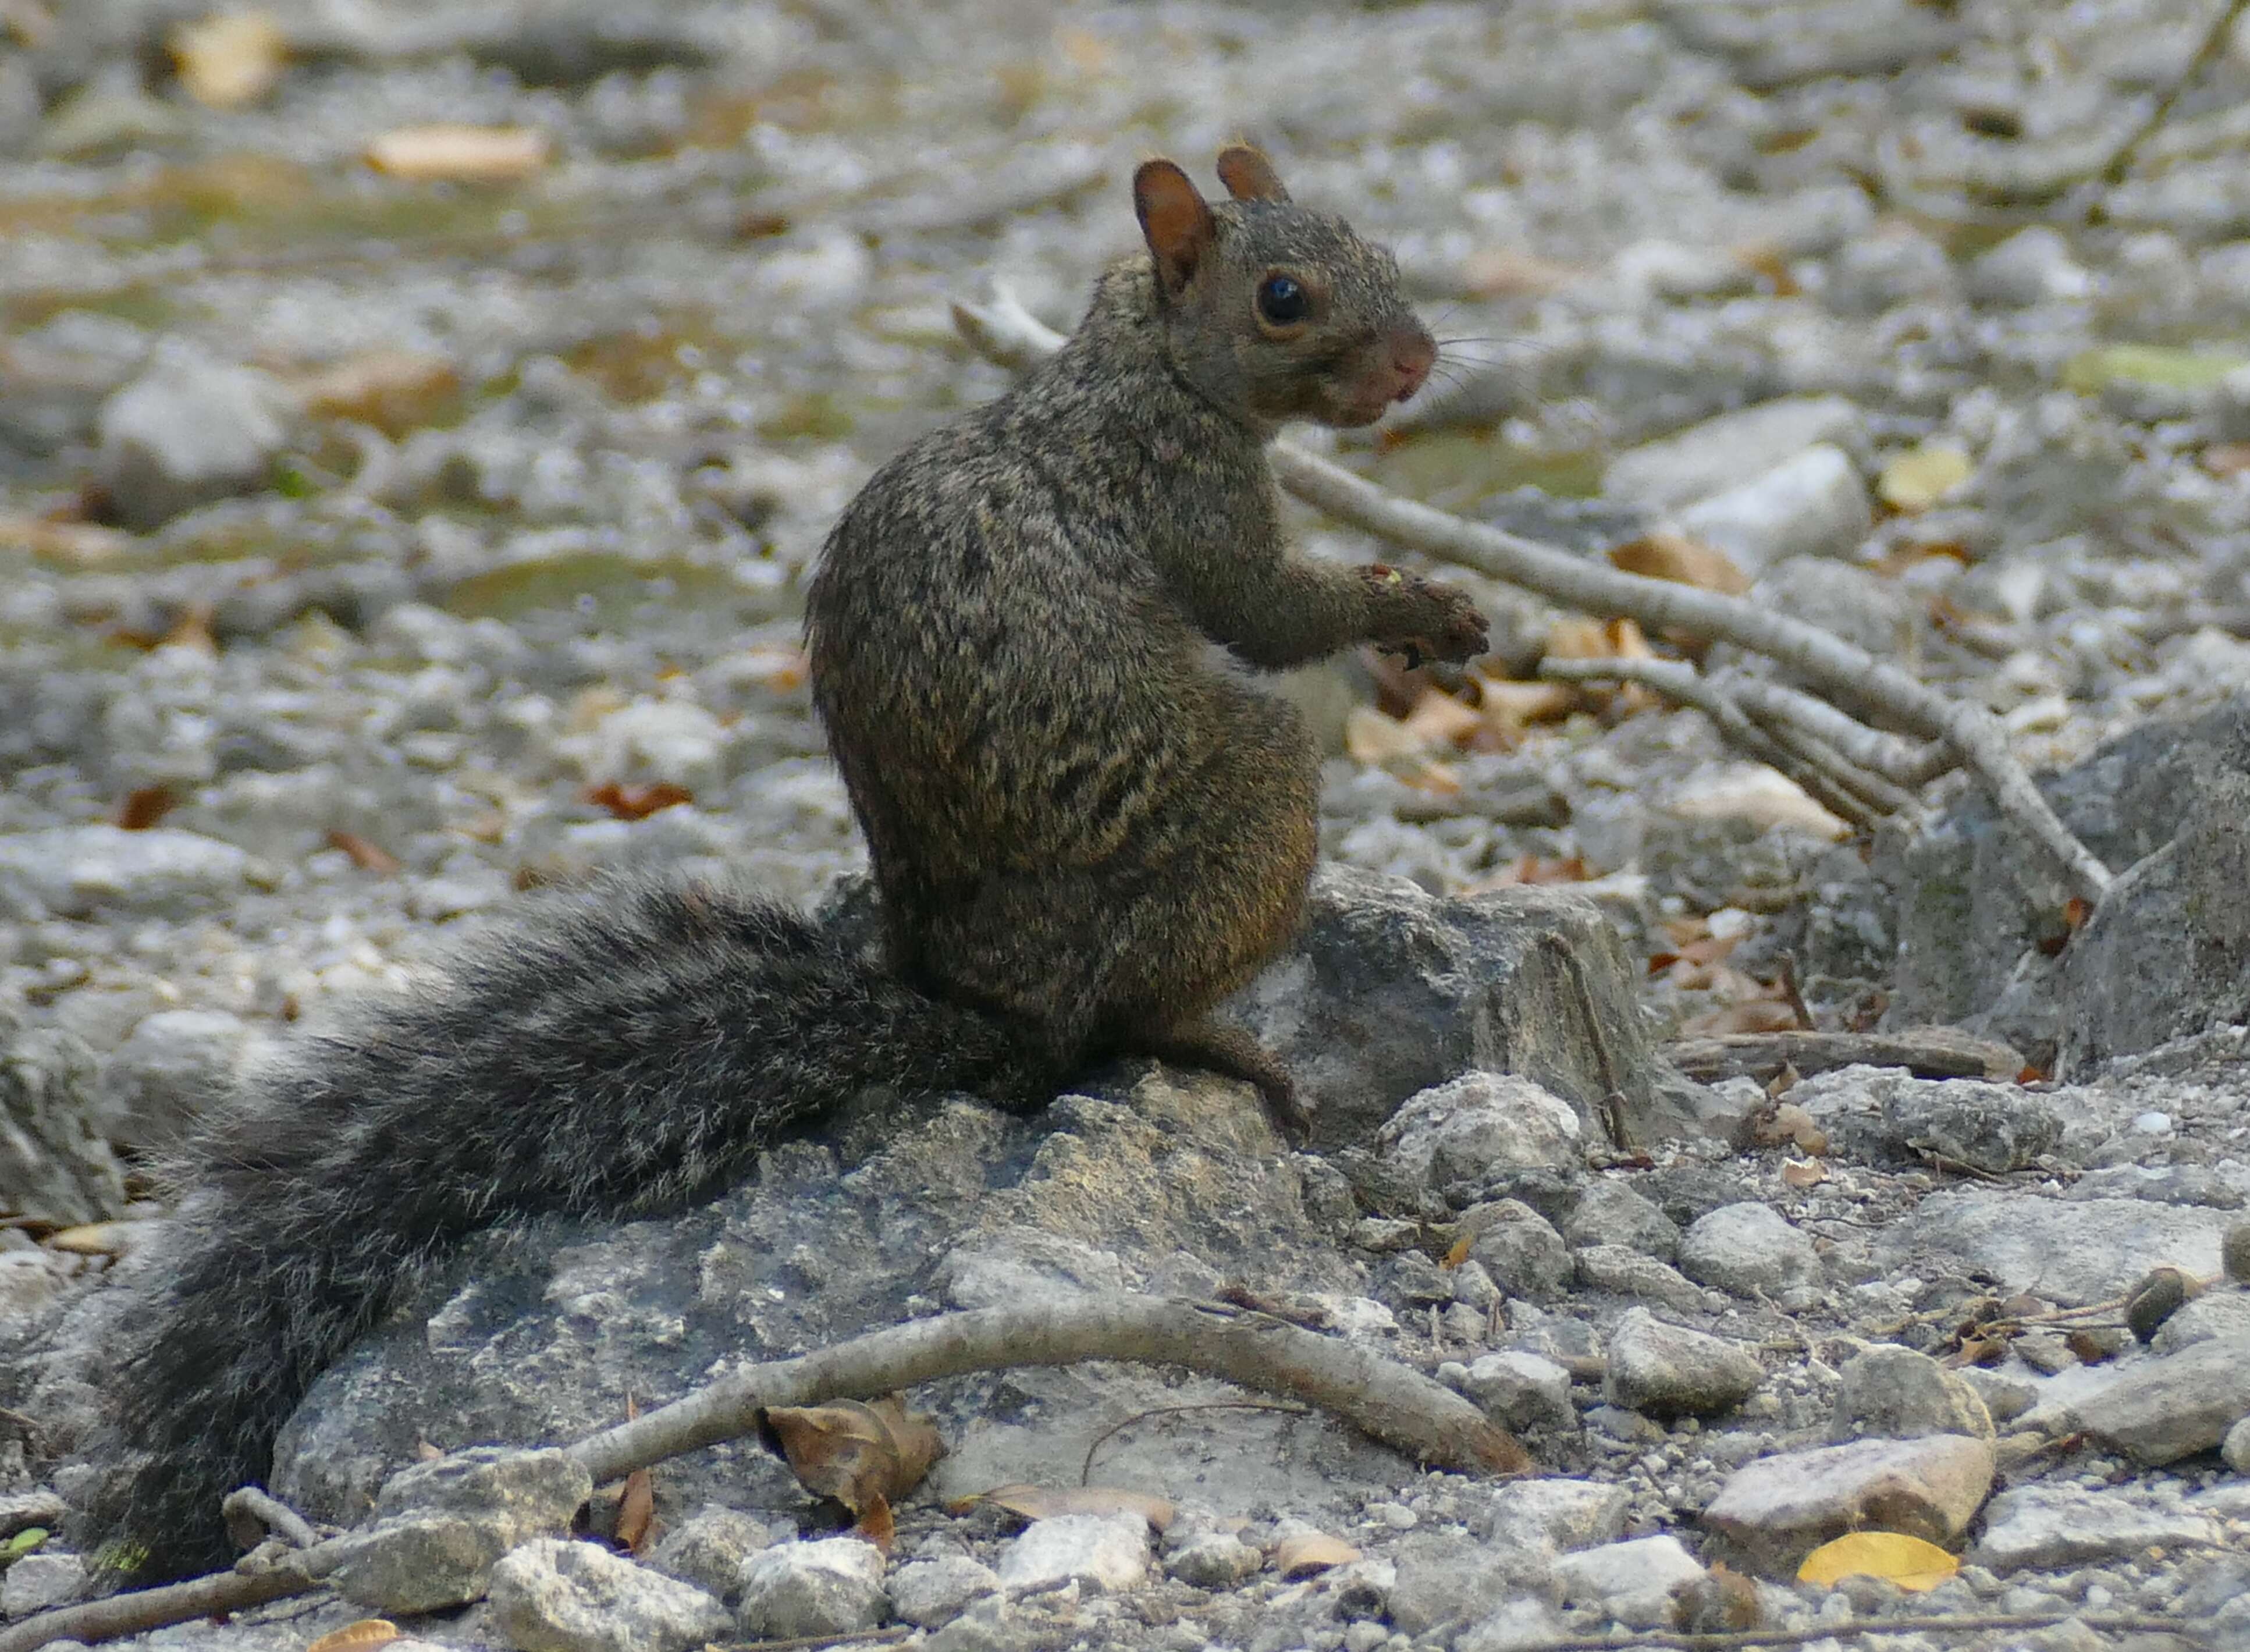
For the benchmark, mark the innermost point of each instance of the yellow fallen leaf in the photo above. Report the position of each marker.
(454, 152)
(90, 1238)
(1908, 1562)
(1923, 476)
(1311, 1551)
(230, 60)
(357, 1637)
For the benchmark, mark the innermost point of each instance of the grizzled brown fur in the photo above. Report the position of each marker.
(1078, 816)
(1084, 829)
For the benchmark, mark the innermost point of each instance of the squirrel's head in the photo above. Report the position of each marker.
(1273, 309)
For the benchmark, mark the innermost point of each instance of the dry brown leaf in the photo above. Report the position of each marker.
(877, 1526)
(1802, 1173)
(357, 1637)
(90, 1238)
(1311, 1551)
(144, 806)
(368, 857)
(778, 666)
(1512, 707)
(1910, 1562)
(638, 803)
(1578, 638)
(449, 152)
(1438, 719)
(424, 1451)
(1770, 265)
(1667, 555)
(636, 1511)
(395, 390)
(230, 59)
(1753, 1015)
(853, 1451)
(192, 629)
(1044, 1502)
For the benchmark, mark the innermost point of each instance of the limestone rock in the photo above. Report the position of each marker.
(1775, 1511)
(2164, 1409)
(2047, 1527)
(1631, 1582)
(189, 430)
(1612, 1213)
(1897, 1393)
(1519, 1248)
(1464, 1129)
(1520, 1391)
(1748, 1249)
(829, 1585)
(931, 1594)
(441, 1526)
(1669, 1370)
(556, 1595)
(1101, 1552)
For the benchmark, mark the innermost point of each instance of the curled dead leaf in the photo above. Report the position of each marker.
(1044, 1502)
(854, 1451)
(1665, 554)
(638, 803)
(144, 806)
(357, 1637)
(1910, 1562)
(1311, 1551)
(1802, 1173)
(366, 855)
(636, 1512)
(449, 152)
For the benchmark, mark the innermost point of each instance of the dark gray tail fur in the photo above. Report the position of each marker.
(628, 1051)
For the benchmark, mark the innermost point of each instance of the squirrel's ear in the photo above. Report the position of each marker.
(1175, 221)
(1248, 175)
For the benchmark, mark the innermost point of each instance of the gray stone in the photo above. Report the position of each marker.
(2048, 1527)
(1612, 1213)
(1464, 1130)
(2162, 1409)
(20, 105)
(1443, 1579)
(1630, 1583)
(1775, 1511)
(2006, 1397)
(1520, 1391)
(708, 1549)
(2216, 1313)
(1627, 1273)
(931, 1594)
(189, 430)
(1389, 991)
(1978, 903)
(54, 1164)
(441, 1526)
(1992, 1128)
(1100, 1552)
(2070, 1253)
(1897, 265)
(170, 1068)
(829, 1585)
(1748, 1249)
(1811, 504)
(80, 871)
(2167, 950)
(1519, 1248)
(2234, 1450)
(1669, 1370)
(555, 1595)
(1719, 453)
(1567, 1514)
(2032, 266)
(1212, 1559)
(1519, 1626)
(1897, 1393)
(37, 1581)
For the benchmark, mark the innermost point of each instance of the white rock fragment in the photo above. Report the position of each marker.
(1631, 1582)
(829, 1585)
(1478, 1123)
(1100, 1552)
(553, 1594)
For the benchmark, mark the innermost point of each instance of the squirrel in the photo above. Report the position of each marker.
(1086, 825)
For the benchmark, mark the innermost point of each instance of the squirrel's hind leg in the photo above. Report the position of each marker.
(1231, 1052)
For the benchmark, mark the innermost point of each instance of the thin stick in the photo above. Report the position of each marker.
(2214, 42)
(105, 1619)
(1086, 1466)
(1012, 336)
(1678, 680)
(812, 1642)
(1869, 749)
(1380, 1397)
(2127, 1623)
(271, 1512)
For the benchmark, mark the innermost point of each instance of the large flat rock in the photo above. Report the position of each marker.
(2072, 1253)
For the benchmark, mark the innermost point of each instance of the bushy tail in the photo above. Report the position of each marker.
(621, 1052)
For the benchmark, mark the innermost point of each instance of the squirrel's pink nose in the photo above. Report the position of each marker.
(1411, 355)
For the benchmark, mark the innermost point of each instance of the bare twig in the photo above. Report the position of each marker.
(250, 1503)
(812, 1642)
(1677, 679)
(1011, 335)
(2214, 43)
(1868, 749)
(1086, 1466)
(118, 1614)
(1380, 1397)
(1935, 1623)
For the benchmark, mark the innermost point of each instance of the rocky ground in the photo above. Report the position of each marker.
(379, 545)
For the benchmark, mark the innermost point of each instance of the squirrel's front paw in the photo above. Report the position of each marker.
(1424, 617)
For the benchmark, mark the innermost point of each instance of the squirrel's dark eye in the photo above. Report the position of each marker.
(1282, 301)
